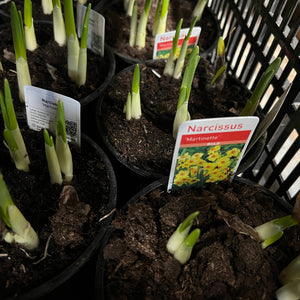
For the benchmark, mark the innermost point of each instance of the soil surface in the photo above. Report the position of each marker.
(148, 143)
(70, 227)
(49, 60)
(226, 263)
(117, 27)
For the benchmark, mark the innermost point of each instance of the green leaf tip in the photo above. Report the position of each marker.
(7, 107)
(28, 13)
(221, 47)
(85, 26)
(192, 238)
(136, 79)
(47, 138)
(191, 28)
(271, 240)
(17, 32)
(188, 221)
(219, 72)
(176, 37)
(164, 8)
(69, 18)
(60, 121)
(261, 87)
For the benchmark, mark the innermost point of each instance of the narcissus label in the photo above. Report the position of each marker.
(209, 150)
(163, 42)
(41, 106)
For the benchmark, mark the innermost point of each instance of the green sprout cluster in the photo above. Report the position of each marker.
(181, 242)
(183, 52)
(59, 156)
(174, 65)
(132, 107)
(23, 74)
(138, 32)
(12, 134)
(30, 38)
(160, 19)
(77, 54)
(18, 230)
(272, 231)
(182, 113)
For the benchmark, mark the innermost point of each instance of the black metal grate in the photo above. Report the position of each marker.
(263, 31)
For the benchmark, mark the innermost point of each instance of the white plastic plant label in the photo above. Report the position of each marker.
(41, 108)
(96, 30)
(163, 42)
(209, 150)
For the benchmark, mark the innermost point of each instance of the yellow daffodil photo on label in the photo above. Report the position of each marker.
(196, 166)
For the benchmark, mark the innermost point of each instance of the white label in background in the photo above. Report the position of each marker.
(41, 106)
(164, 41)
(96, 30)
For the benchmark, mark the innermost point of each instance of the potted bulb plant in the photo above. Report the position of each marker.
(227, 240)
(48, 63)
(147, 142)
(117, 16)
(55, 206)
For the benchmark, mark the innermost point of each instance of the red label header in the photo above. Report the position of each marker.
(232, 137)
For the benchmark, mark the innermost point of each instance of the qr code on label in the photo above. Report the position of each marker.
(96, 43)
(71, 128)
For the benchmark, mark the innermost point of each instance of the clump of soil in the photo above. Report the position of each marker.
(117, 27)
(39, 201)
(226, 263)
(148, 143)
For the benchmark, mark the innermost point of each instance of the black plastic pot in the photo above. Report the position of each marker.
(247, 162)
(63, 277)
(160, 186)
(123, 60)
(45, 29)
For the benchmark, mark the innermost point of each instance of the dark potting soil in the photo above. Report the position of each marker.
(117, 27)
(49, 60)
(226, 263)
(70, 228)
(148, 143)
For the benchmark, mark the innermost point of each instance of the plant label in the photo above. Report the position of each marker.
(163, 42)
(209, 150)
(96, 30)
(41, 108)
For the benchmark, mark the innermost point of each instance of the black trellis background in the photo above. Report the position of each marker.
(263, 31)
